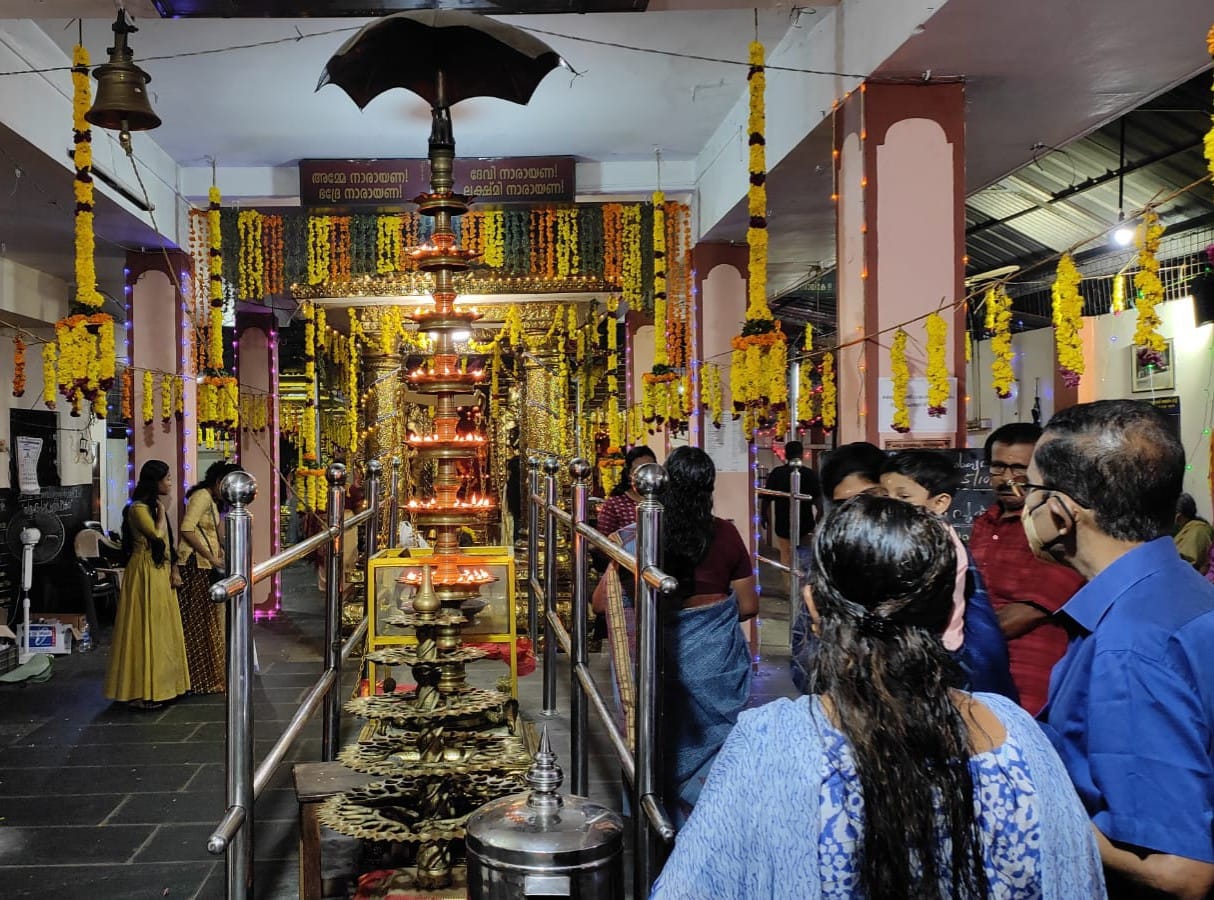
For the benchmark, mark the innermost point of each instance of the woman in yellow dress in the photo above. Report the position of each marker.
(148, 663)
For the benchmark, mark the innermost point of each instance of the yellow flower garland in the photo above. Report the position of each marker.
(179, 397)
(830, 396)
(1209, 140)
(166, 397)
(756, 233)
(710, 392)
(999, 322)
(49, 377)
(1068, 320)
(937, 365)
(320, 248)
(659, 279)
(18, 366)
(215, 325)
(1118, 303)
(1147, 339)
(387, 244)
(352, 397)
(82, 158)
(251, 272)
(148, 409)
(495, 239)
(901, 373)
(630, 229)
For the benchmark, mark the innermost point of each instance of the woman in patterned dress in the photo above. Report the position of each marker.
(887, 783)
(147, 662)
(201, 557)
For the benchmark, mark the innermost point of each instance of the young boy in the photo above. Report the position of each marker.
(928, 479)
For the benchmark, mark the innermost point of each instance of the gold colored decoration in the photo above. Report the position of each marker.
(1147, 339)
(937, 365)
(999, 323)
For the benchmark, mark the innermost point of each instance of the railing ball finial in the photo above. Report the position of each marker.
(649, 480)
(238, 488)
(552, 465)
(534, 462)
(395, 462)
(336, 474)
(374, 468)
(580, 468)
(796, 461)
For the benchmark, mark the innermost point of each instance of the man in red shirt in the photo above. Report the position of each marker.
(1025, 591)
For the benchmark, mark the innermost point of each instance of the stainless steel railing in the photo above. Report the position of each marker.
(653, 828)
(796, 577)
(234, 833)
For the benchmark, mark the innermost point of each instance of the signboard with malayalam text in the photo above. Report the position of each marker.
(394, 182)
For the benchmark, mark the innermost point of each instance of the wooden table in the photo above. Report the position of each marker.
(315, 783)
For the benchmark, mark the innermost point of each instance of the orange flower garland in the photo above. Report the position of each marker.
(18, 366)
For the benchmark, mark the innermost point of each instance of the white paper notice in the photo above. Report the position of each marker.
(727, 446)
(916, 406)
(28, 451)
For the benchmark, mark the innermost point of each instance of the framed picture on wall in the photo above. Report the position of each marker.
(1146, 377)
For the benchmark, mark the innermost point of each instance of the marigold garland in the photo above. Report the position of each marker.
(630, 264)
(18, 366)
(830, 395)
(999, 323)
(1147, 339)
(1118, 303)
(149, 412)
(215, 323)
(49, 377)
(710, 393)
(82, 158)
(1068, 320)
(758, 376)
(1209, 140)
(901, 373)
(251, 271)
(179, 397)
(937, 365)
(128, 395)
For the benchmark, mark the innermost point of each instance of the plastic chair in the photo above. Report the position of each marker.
(100, 579)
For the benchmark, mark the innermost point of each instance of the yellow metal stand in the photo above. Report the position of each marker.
(495, 624)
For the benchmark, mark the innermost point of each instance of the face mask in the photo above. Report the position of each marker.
(1041, 549)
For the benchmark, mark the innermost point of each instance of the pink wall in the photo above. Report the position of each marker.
(257, 371)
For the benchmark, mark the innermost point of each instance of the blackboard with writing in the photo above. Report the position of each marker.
(975, 493)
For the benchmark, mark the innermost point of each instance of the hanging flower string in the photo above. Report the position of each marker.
(758, 364)
(660, 385)
(806, 396)
(830, 394)
(18, 366)
(1068, 320)
(999, 324)
(1147, 339)
(901, 373)
(82, 158)
(937, 365)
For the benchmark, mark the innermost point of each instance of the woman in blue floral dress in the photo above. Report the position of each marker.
(888, 783)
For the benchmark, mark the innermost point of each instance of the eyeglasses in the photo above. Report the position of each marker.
(1023, 488)
(998, 468)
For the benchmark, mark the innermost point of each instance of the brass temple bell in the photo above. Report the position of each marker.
(122, 103)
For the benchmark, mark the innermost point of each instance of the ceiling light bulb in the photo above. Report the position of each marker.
(1123, 236)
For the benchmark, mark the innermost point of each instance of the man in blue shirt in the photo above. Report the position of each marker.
(1131, 704)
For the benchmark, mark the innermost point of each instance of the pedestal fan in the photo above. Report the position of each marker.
(36, 538)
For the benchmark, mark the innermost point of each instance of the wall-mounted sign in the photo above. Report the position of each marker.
(393, 182)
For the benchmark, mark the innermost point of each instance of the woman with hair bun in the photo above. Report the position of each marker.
(887, 783)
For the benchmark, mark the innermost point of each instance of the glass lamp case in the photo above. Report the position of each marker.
(492, 618)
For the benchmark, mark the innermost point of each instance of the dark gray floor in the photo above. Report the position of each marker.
(99, 801)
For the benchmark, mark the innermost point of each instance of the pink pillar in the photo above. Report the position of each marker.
(257, 370)
(159, 339)
(900, 186)
(720, 283)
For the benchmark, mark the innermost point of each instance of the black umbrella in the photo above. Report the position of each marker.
(443, 56)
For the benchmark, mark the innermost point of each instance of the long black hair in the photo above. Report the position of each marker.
(147, 492)
(215, 473)
(640, 451)
(687, 521)
(882, 581)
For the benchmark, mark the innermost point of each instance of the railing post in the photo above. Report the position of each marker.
(648, 480)
(239, 489)
(330, 737)
(579, 468)
(375, 479)
(393, 505)
(551, 467)
(794, 541)
(533, 550)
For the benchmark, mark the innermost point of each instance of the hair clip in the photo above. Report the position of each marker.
(873, 625)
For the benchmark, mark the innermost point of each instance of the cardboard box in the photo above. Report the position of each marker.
(47, 637)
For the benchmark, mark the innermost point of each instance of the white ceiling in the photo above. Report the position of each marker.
(259, 106)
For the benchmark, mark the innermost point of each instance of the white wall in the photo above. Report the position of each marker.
(1033, 363)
